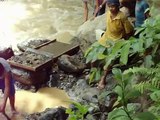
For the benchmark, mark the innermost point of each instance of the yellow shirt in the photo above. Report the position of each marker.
(117, 28)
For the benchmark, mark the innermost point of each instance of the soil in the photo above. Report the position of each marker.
(29, 58)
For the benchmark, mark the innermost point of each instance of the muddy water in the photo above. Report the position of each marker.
(28, 102)
(22, 20)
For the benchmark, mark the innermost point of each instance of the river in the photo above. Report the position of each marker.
(22, 20)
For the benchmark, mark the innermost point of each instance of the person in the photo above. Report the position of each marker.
(141, 12)
(118, 27)
(97, 11)
(100, 7)
(7, 86)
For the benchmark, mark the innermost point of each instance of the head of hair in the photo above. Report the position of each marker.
(113, 2)
(1, 70)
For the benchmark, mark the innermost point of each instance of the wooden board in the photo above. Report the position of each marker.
(58, 48)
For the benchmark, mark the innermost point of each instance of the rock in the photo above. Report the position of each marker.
(86, 32)
(30, 44)
(70, 65)
(6, 52)
(49, 114)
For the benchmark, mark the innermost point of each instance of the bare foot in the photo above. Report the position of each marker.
(100, 87)
(14, 112)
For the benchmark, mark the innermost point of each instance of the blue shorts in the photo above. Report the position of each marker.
(12, 88)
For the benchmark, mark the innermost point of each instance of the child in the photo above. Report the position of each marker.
(7, 86)
(140, 12)
(118, 27)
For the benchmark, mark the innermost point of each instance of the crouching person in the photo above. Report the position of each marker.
(7, 86)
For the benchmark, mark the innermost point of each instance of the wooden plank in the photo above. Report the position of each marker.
(58, 48)
(46, 43)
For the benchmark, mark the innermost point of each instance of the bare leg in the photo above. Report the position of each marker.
(102, 82)
(6, 116)
(12, 103)
(85, 11)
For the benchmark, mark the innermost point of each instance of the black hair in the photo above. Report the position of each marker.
(1, 69)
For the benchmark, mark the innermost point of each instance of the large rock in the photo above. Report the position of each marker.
(70, 65)
(86, 33)
(49, 114)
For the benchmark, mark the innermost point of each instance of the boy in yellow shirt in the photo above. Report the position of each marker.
(118, 27)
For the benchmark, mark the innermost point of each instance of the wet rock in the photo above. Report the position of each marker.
(70, 65)
(49, 114)
(30, 44)
(91, 117)
(6, 52)
(106, 100)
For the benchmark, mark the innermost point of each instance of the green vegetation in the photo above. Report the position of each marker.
(77, 113)
(140, 56)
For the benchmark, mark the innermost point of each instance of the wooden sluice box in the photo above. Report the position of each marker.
(33, 66)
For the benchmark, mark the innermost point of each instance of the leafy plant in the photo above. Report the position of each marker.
(146, 47)
(151, 78)
(125, 92)
(78, 113)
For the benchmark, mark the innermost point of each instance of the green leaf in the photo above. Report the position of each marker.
(91, 77)
(145, 116)
(89, 57)
(156, 47)
(148, 42)
(148, 61)
(119, 91)
(117, 47)
(87, 51)
(155, 96)
(98, 75)
(138, 30)
(131, 93)
(124, 53)
(101, 56)
(135, 47)
(117, 74)
(118, 114)
(157, 36)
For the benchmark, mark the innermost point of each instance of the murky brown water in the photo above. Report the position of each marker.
(39, 19)
(28, 102)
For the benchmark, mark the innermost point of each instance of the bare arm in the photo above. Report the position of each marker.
(98, 7)
(85, 11)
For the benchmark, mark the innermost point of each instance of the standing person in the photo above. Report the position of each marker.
(118, 27)
(7, 86)
(99, 8)
(140, 12)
